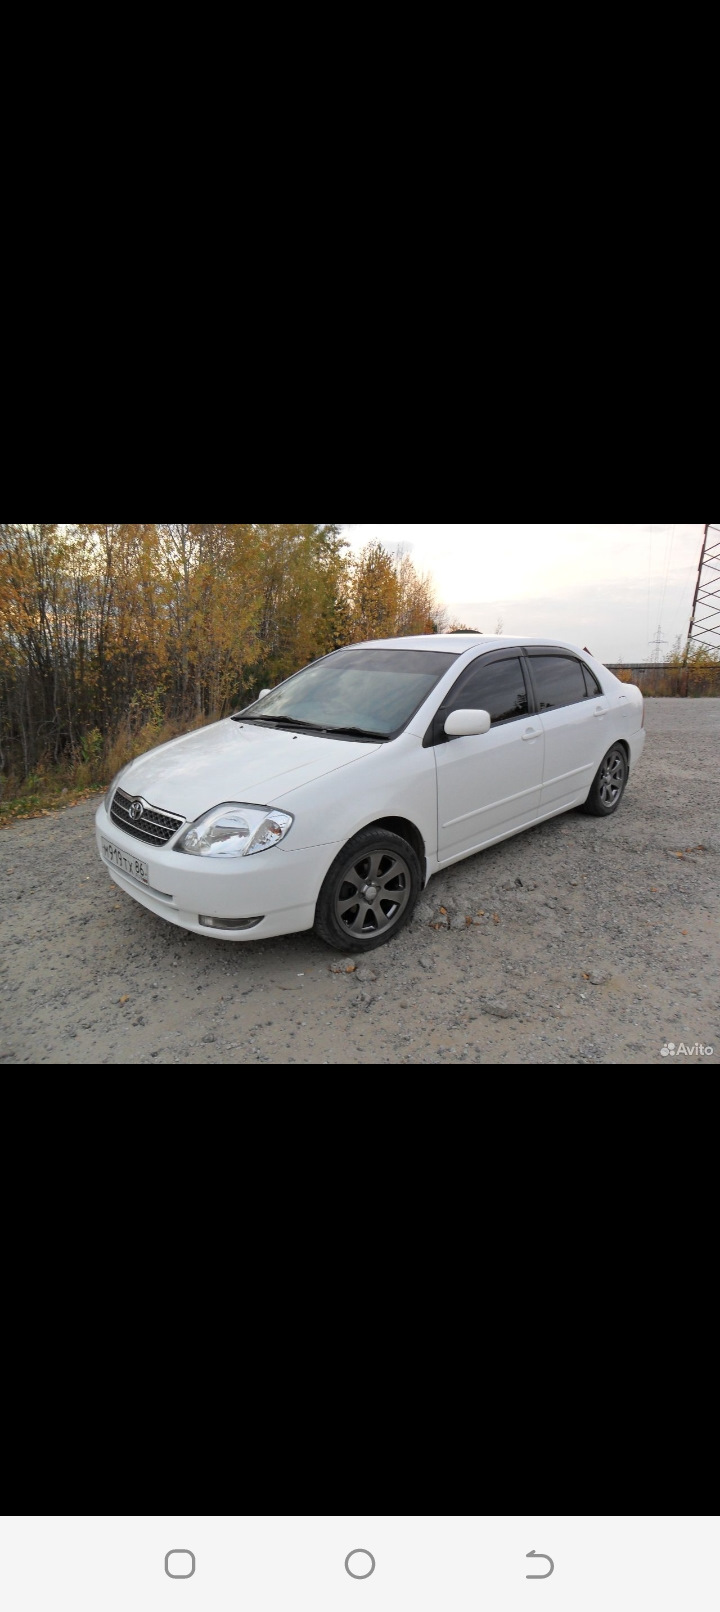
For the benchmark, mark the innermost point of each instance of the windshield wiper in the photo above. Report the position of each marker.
(360, 733)
(313, 727)
(277, 721)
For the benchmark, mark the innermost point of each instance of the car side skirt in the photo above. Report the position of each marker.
(508, 833)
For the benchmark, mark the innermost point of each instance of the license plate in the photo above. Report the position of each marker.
(131, 865)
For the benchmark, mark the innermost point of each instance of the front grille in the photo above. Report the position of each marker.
(154, 826)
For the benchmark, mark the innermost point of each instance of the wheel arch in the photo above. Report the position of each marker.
(407, 831)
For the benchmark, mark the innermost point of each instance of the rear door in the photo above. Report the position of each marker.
(488, 784)
(574, 716)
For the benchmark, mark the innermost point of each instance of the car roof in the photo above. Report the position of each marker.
(462, 641)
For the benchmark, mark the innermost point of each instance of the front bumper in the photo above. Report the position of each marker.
(280, 886)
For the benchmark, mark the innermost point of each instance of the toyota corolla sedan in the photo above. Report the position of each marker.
(332, 799)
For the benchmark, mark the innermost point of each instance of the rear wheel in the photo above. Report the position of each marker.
(369, 893)
(608, 784)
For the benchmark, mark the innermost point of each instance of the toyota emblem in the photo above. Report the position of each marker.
(135, 811)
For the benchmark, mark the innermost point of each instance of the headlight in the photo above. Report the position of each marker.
(234, 830)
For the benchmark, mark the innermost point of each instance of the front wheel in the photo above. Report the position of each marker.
(608, 784)
(369, 893)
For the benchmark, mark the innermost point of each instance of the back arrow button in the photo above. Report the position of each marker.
(545, 1558)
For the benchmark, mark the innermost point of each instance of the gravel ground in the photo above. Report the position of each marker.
(580, 941)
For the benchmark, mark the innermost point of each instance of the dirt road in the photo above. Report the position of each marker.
(580, 941)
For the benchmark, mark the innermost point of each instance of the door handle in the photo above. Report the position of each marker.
(599, 710)
(531, 733)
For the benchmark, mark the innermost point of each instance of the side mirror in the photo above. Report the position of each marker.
(467, 724)
(263, 691)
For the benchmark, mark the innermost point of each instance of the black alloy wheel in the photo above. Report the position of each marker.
(370, 891)
(608, 785)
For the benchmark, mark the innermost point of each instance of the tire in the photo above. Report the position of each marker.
(608, 786)
(350, 924)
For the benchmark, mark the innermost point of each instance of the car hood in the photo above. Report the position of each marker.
(234, 761)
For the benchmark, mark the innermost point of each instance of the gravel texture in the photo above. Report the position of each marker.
(580, 941)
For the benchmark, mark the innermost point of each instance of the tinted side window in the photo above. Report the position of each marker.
(591, 682)
(558, 680)
(498, 688)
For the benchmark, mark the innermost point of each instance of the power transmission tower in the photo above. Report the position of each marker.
(704, 628)
(655, 644)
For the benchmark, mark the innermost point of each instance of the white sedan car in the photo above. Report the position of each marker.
(333, 798)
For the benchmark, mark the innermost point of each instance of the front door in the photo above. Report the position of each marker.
(488, 785)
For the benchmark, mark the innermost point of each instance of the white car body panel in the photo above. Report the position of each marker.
(455, 797)
(185, 774)
(488, 785)
(394, 780)
(575, 743)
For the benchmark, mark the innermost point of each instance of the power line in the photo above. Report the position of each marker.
(647, 607)
(667, 572)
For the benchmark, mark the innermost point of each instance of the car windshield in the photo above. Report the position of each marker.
(369, 691)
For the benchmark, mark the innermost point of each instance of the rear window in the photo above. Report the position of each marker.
(558, 680)
(591, 682)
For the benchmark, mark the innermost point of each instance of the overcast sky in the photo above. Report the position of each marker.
(608, 587)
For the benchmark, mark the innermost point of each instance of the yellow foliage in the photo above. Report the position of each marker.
(116, 637)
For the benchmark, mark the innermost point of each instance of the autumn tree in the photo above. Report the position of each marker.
(112, 631)
(416, 604)
(375, 594)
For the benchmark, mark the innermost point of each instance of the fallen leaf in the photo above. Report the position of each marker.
(683, 931)
(124, 999)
